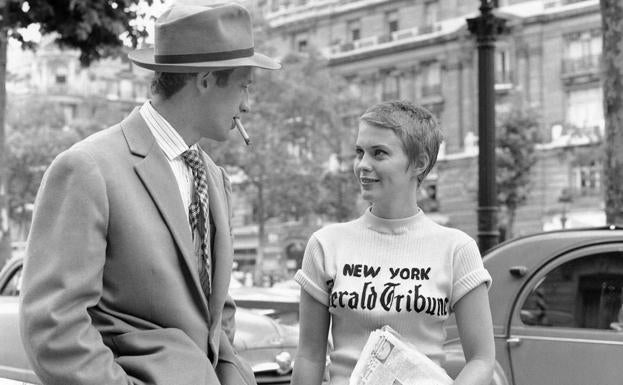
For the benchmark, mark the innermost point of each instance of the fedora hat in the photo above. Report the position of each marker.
(194, 38)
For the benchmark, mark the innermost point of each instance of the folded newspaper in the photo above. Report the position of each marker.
(387, 359)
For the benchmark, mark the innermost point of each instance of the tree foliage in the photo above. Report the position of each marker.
(517, 135)
(35, 136)
(300, 118)
(93, 27)
(612, 26)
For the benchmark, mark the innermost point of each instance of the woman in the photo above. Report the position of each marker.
(393, 265)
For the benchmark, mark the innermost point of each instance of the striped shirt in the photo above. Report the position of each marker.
(173, 146)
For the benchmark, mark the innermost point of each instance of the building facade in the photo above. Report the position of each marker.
(55, 75)
(95, 96)
(421, 50)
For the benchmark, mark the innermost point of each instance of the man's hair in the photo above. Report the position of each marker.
(416, 127)
(166, 84)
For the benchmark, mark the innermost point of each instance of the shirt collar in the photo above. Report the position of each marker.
(391, 226)
(166, 136)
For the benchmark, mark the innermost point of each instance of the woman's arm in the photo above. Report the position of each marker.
(311, 356)
(473, 317)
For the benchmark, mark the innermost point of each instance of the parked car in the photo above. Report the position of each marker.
(280, 301)
(556, 303)
(556, 306)
(266, 344)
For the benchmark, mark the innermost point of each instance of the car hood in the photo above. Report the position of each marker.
(254, 330)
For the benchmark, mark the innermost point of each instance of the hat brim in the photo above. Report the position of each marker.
(145, 58)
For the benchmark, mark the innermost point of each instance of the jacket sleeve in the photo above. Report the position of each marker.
(63, 276)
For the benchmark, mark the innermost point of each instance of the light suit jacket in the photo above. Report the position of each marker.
(111, 293)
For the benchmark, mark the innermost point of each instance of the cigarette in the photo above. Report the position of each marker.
(242, 131)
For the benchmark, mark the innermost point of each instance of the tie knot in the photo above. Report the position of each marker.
(192, 159)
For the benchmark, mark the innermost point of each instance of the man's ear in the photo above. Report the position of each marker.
(204, 80)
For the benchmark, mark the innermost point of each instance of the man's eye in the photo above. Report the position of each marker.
(359, 152)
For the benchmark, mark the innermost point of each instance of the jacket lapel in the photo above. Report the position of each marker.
(155, 172)
(222, 251)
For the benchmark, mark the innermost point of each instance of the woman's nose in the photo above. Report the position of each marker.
(362, 163)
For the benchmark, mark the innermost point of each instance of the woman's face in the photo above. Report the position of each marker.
(381, 167)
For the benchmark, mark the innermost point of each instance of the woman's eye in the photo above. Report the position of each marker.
(379, 153)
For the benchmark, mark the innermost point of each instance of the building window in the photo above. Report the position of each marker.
(391, 20)
(502, 67)
(354, 30)
(391, 86)
(431, 11)
(60, 79)
(582, 52)
(587, 179)
(368, 91)
(585, 112)
(302, 45)
(431, 79)
(435, 108)
(274, 5)
(300, 42)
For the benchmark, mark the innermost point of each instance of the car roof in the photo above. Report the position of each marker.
(513, 262)
(530, 249)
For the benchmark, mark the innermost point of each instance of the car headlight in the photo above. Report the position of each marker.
(284, 360)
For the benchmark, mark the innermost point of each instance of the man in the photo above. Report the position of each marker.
(129, 257)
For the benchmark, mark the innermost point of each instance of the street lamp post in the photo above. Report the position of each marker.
(486, 27)
(5, 234)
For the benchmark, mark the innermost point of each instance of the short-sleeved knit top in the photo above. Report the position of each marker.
(406, 273)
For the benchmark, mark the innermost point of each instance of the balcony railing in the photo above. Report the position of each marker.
(367, 42)
(405, 33)
(588, 63)
(559, 3)
(374, 41)
(316, 9)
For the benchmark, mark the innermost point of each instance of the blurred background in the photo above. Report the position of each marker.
(67, 76)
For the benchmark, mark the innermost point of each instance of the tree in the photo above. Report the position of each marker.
(612, 25)
(30, 150)
(517, 135)
(298, 120)
(95, 28)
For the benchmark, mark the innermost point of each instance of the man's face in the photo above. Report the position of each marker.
(221, 103)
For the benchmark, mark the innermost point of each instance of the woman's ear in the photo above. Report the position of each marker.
(421, 164)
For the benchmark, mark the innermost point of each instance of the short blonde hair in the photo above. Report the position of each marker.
(416, 127)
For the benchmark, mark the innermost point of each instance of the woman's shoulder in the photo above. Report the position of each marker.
(449, 234)
(337, 229)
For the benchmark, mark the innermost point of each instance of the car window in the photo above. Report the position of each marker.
(583, 293)
(13, 285)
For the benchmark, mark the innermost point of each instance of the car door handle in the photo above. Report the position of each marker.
(513, 341)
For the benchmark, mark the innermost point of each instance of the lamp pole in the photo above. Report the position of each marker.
(486, 27)
(5, 234)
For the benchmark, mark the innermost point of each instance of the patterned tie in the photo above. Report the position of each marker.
(198, 214)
